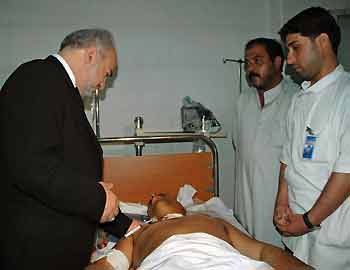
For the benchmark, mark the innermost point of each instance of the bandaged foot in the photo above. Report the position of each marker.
(118, 260)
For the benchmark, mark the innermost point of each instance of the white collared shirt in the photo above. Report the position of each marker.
(324, 108)
(259, 136)
(323, 82)
(271, 94)
(66, 67)
(311, 107)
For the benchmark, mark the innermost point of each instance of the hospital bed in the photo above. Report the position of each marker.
(136, 178)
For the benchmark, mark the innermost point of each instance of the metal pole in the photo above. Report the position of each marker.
(97, 113)
(240, 77)
(240, 62)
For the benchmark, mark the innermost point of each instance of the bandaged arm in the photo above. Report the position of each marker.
(118, 259)
(121, 256)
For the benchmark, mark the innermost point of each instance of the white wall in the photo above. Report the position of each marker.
(344, 53)
(290, 8)
(167, 49)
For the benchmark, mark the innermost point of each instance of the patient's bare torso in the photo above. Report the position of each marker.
(151, 236)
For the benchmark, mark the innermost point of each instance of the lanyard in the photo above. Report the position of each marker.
(308, 127)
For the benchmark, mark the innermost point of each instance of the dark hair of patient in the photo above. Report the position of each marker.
(311, 23)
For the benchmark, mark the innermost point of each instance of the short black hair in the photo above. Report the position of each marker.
(272, 47)
(311, 23)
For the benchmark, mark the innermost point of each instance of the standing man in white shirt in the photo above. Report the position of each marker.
(259, 133)
(312, 209)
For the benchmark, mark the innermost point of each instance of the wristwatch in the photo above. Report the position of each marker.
(308, 223)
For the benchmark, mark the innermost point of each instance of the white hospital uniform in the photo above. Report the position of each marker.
(259, 136)
(325, 109)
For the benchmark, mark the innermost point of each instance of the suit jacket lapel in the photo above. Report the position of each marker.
(78, 102)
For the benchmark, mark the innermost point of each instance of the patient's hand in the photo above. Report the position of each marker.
(102, 242)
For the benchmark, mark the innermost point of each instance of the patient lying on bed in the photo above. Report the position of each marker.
(193, 242)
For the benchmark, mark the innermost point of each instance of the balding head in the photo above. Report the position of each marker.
(91, 55)
(86, 38)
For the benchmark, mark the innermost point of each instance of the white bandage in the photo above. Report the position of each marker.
(118, 260)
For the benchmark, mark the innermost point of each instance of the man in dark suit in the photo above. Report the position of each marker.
(51, 162)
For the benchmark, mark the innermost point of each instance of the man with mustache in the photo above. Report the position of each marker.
(259, 133)
(312, 207)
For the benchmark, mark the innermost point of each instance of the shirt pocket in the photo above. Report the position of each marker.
(277, 133)
(320, 125)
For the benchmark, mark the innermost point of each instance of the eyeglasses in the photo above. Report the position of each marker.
(257, 61)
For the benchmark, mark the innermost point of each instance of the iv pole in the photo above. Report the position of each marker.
(96, 112)
(240, 62)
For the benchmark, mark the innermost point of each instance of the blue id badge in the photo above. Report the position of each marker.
(309, 146)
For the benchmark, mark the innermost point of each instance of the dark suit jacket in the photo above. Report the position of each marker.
(50, 165)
